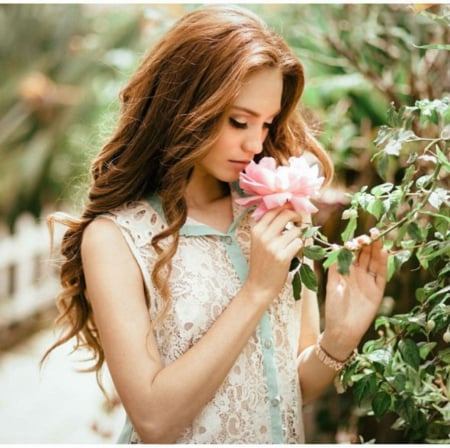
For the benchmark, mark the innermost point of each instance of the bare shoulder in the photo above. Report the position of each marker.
(102, 236)
(114, 282)
(100, 230)
(104, 249)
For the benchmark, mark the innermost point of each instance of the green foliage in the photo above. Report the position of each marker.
(406, 371)
(62, 69)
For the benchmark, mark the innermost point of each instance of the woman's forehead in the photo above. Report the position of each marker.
(260, 93)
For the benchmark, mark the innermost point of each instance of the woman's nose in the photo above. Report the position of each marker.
(254, 146)
(254, 142)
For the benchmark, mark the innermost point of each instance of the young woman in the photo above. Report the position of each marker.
(172, 283)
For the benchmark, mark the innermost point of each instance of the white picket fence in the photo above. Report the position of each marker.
(28, 278)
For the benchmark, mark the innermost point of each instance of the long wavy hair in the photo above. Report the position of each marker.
(172, 111)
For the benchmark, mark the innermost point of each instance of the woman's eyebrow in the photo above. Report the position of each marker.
(252, 112)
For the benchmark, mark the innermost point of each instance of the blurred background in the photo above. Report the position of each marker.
(62, 67)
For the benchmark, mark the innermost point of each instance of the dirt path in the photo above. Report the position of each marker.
(54, 405)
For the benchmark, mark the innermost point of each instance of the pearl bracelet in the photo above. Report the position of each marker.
(331, 362)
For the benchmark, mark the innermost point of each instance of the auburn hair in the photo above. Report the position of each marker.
(171, 114)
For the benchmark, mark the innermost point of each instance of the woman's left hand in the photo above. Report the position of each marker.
(352, 300)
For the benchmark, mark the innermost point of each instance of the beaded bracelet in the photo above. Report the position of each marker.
(331, 362)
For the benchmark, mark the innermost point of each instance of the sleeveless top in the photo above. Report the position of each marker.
(260, 399)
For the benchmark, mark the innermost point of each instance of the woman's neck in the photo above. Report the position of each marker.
(204, 191)
(210, 204)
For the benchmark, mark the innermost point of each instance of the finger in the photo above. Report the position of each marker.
(277, 222)
(378, 260)
(293, 247)
(268, 217)
(363, 257)
(287, 236)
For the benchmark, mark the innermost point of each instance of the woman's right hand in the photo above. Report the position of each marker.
(272, 250)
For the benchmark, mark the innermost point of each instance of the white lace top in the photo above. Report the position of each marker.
(260, 400)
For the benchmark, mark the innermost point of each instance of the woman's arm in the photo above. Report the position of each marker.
(351, 305)
(162, 400)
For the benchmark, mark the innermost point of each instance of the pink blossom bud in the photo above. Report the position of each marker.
(363, 240)
(446, 337)
(374, 233)
(352, 245)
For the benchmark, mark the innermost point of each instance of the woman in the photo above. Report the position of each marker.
(171, 282)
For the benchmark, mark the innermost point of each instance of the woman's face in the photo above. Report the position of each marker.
(245, 127)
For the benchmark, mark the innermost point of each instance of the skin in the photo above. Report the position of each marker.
(162, 401)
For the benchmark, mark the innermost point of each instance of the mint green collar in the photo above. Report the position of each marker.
(192, 227)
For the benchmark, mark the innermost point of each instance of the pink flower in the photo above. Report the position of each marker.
(271, 186)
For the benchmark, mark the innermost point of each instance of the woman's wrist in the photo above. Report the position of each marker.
(337, 346)
(256, 296)
(329, 360)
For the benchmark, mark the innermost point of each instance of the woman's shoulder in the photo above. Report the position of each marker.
(100, 232)
(138, 220)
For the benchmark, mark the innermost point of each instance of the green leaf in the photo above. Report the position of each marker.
(390, 267)
(308, 277)
(364, 388)
(344, 260)
(349, 229)
(412, 157)
(314, 252)
(438, 197)
(396, 260)
(376, 208)
(381, 320)
(381, 403)
(444, 355)
(443, 159)
(309, 232)
(425, 349)
(399, 381)
(410, 352)
(381, 189)
(431, 109)
(394, 145)
(415, 232)
(380, 356)
(295, 263)
(423, 181)
(297, 286)
(441, 223)
(420, 294)
(331, 258)
(392, 116)
(440, 292)
(383, 165)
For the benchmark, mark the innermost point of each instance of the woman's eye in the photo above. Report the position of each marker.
(238, 124)
(267, 125)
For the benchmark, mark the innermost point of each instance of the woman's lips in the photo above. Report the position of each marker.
(241, 164)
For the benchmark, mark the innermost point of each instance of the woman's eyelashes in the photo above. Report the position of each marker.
(238, 124)
(242, 125)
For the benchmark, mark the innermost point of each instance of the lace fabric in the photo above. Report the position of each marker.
(205, 278)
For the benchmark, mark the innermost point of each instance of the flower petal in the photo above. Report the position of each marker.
(276, 199)
(250, 186)
(259, 212)
(303, 205)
